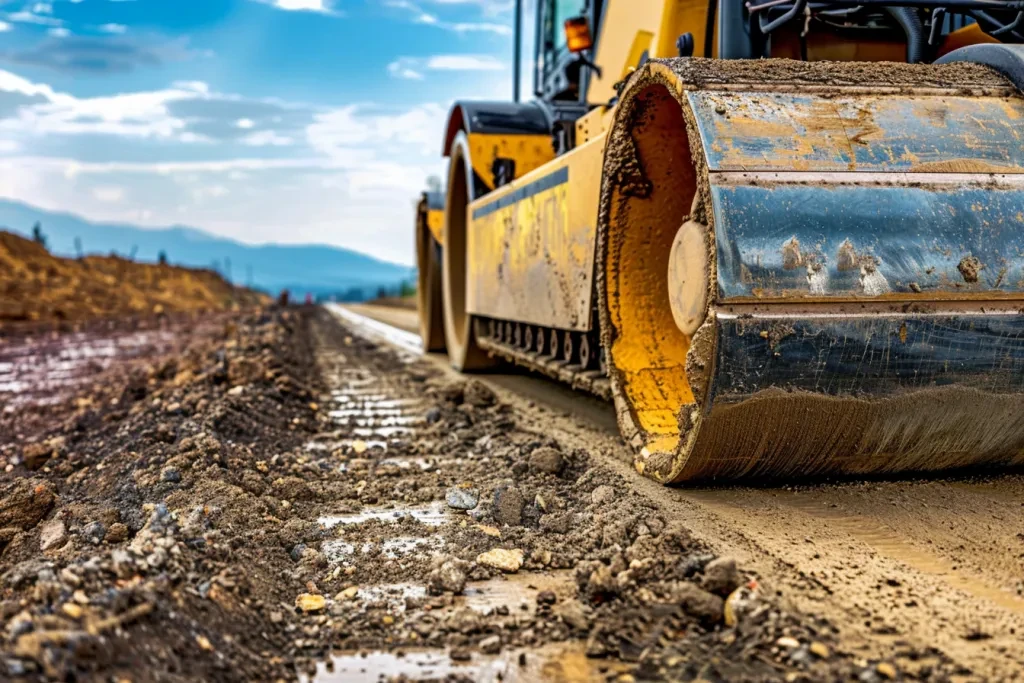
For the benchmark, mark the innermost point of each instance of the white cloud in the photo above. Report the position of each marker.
(267, 138)
(464, 63)
(108, 194)
(4, 26)
(201, 194)
(317, 6)
(134, 115)
(59, 32)
(43, 8)
(341, 168)
(28, 17)
(412, 68)
(116, 29)
(419, 16)
(337, 133)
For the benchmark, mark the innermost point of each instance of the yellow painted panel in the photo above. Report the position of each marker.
(528, 151)
(435, 223)
(531, 244)
(630, 27)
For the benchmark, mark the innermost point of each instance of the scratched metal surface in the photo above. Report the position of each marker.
(790, 132)
(856, 241)
(869, 356)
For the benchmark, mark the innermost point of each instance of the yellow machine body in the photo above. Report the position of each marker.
(772, 269)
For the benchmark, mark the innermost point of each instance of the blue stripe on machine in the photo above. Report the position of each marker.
(553, 179)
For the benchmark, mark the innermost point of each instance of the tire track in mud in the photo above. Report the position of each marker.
(375, 418)
(931, 563)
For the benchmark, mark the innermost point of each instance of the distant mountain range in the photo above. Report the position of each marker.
(318, 269)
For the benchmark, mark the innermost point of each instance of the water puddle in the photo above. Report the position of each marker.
(392, 594)
(44, 369)
(378, 422)
(385, 432)
(551, 664)
(431, 515)
(407, 545)
(518, 592)
(339, 550)
(425, 464)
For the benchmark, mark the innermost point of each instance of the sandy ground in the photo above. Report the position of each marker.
(894, 564)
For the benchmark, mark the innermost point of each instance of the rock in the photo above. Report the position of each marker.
(25, 572)
(602, 494)
(574, 614)
(492, 531)
(478, 395)
(820, 650)
(124, 563)
(602, 581)
(171, 475)
(24, 503)
(52, 535)
(204, 643)
(508, 505)
(95, 531)
(556, 523)
(491, 645)
(740, 603)
(348, 594)
(72, 610)
(117, 533)
(157, 559)
(36, 455)
(310, 603)
(546, 598)
(433, 415)
(296, 552)
(595, 648)
(547, 460)
(886, 670)
(698, 603)
(788, 642)
(721, 576)
(450, 577)
(68, 576)
(508, 561)
(462, 497)
(696, 563)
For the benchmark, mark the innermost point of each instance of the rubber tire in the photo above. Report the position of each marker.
(429, 297)
(464, 352)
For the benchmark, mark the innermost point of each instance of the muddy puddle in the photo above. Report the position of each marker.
(431, 515)
(45, 369)
(553, 664)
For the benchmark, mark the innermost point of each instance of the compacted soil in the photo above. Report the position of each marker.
(275, 496)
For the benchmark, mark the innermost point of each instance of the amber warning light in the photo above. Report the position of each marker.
(577, 34)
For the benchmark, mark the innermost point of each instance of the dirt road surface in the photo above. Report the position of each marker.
(300, 494)
(930, 562)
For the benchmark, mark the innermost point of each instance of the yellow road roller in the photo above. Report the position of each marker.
(784, 237)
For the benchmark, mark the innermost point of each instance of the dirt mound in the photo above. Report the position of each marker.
(38, 286)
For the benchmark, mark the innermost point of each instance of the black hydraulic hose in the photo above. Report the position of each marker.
(908, 19)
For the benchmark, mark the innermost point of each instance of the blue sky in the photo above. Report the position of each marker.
(261, 120)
